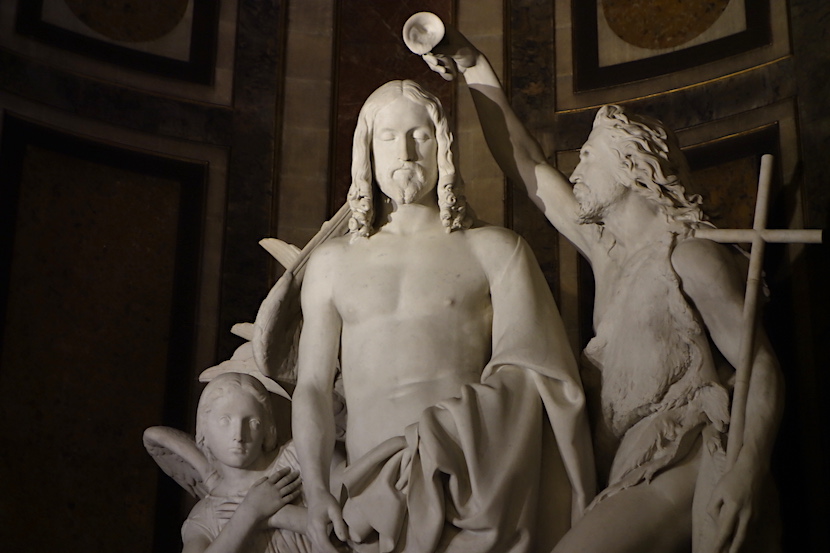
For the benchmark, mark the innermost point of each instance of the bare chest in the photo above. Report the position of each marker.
(631, 278)
(409, 278)
(606, 288)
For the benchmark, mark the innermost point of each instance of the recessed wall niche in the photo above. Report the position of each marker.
(98, 307)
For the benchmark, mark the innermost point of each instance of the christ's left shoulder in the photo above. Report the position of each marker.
(485, 235)
(498, 249)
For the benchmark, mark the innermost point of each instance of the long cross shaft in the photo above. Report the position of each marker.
(759, 236)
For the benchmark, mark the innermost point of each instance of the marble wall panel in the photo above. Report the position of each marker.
(215, 161)
(305, 168)
(107, 102)
(532, 93)
(99, 312)
(228, 130)
(616, 42)
(659, 24)
(483, 23)
(577, 47)
(215, 90)
(812, 20)
(235, 119)
(811, 33)
(691, 106)
(725, 174)
(252, 172)
(176, 39)
(125, 20)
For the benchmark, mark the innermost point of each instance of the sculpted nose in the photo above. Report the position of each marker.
(576, 176)
(406, 149)
(238, 432)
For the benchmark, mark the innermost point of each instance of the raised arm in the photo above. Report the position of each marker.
(312, 412)
(515, 150)
(714, 283)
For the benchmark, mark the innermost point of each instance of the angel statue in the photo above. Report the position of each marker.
(248, 486)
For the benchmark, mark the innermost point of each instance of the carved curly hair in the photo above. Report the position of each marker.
(652, 160)
(451, 201)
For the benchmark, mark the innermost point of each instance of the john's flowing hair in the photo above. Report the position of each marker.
(451, 201)
(220, 386)
(653, 162)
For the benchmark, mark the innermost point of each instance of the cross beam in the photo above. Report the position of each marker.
(759, 236)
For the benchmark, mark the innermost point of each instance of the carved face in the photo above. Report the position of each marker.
(404, 151)
(596, 178)
(235, 429)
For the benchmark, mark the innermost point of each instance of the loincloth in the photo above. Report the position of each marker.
(664, 438)
(465, 477)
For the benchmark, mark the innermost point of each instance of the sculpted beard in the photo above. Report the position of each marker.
(593, 205)
(590, 209)
(409, 179)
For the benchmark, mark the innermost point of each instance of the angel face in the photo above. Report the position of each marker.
(236, 429)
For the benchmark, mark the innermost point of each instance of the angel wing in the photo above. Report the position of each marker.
(177, 454)
(242, 361)
(279, 319)
(287, 254)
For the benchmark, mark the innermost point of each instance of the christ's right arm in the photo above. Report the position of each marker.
(516, 151)
(312, 411)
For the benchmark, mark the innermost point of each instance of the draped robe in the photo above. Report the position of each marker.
(503, 467)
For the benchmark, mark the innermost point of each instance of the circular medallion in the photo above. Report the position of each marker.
(657, 24)
(130, 20)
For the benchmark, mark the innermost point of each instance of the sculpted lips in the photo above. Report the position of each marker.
(410, 168)
(409, 178)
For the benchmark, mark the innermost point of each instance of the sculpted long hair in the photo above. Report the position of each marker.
(652, 160)
(222, 385)
(451, 201)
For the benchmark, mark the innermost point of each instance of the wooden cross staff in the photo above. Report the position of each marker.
(759, 236)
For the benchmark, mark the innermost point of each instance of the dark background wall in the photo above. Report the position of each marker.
(145, 148)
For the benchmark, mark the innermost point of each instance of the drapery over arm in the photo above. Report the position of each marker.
(528, 333)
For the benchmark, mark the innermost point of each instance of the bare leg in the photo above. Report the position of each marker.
(648, 518)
